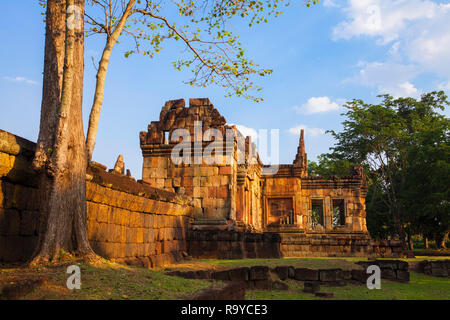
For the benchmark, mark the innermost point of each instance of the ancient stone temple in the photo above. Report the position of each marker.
(311, 215)
(204, 192)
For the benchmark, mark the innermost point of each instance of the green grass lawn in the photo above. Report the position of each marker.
(319, 262)
(105, 280)
(420, 287)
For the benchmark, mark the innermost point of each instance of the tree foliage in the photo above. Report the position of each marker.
(214, 54)
(403, 144)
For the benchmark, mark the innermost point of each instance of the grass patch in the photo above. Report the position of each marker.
(420, 287)
(316, 263)
(107, 280)
(104, 281)
(345, 263)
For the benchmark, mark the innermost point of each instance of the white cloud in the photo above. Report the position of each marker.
(91, 52)
(317, 105)
(385, 19)
(402, 90)
(394, 49)
(387, 77)
(416, 34)
(330, 4)
(308, 131)
(388, 73)
(246, 131)
(430, 47)
(20, 79)
(444, 86)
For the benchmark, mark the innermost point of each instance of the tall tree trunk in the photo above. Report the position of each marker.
(443, 242)
(94, 116)
(398, 222)
(410, 243)
(60, 158)
(425, 242)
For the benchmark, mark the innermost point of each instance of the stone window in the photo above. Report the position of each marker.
(317, 212)
(338, 212)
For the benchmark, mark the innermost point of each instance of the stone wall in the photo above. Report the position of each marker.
(435, 268)
(134, 223)
(395, 270)
(215, 244)
(128, 221)
(265, 278)
(218, 244)
(19, 213)
(336, 245)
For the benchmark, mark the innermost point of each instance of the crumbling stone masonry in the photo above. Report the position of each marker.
(127, 221)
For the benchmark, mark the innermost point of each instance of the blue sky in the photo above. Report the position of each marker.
(321, 56)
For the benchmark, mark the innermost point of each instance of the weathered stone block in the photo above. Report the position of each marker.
(402, 275)
(438, 264)
(262, 284)
(359, 275)
(330, 275)
(221, 275)
(391, 264)
(291, 272)
(402, 265)
(239, 274)
(279, 285)
(259, 273)
(346, 274)
(282, 272)
(225, 170)
(388, 273)
(305, 274)
(187, 181)
(439, 272)
(311, 287)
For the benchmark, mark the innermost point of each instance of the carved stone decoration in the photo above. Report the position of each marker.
(119, 166)
(280, 209)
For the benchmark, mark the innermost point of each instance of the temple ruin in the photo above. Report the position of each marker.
(232, 207)
(236, 196)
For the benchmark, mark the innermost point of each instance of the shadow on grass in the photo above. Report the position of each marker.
(103, 281)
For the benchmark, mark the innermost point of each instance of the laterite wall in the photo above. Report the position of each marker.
(128, 221)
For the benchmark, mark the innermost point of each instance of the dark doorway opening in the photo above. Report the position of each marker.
(317, 212)
(338, 212)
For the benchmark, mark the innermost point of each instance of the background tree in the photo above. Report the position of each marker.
(328, 165)
(214, 53)
(60, 157)
(427, 191)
